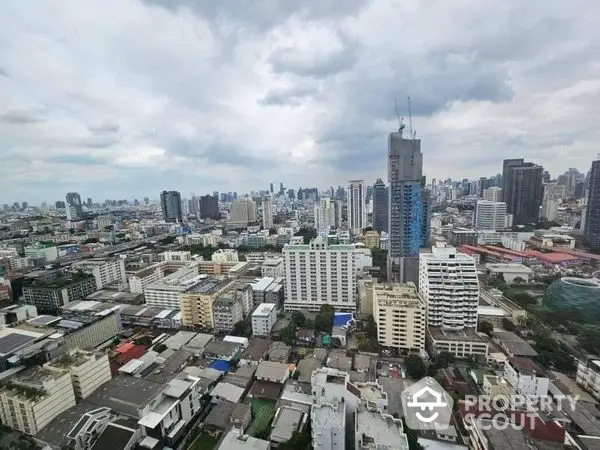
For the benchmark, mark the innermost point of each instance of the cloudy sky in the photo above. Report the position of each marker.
(123, 98)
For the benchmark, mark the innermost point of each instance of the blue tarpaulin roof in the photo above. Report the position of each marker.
(341, 319)
(221, 365)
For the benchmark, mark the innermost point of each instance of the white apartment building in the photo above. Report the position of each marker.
(105, 271)
(493, 194)
(399, 312)
(267, 212)
(317, 274)
(166, 292)
(588, 376)
(243, 211)
(328, 214)
(227, 311)
(31, 399)
(272, 267)
(175, 256)
(140, 279)
(263, 319)
(490, 215)
(449, 285)
(225, 255)
(165, 416)
(88, 370)
(526, 377)
(357, 213)
(36, 251)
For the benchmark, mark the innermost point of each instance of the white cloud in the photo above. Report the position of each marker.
(203, 96)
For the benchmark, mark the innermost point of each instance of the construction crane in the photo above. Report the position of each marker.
(401, 125)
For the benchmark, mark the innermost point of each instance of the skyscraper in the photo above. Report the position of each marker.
(408, 214)
(267, 211)
(170, 202)
(73, 206)
(380, 206)
(271, 188)
(357, 214)
(591, 228)
(243, 211)
(493, 194)
(523, 190)
(209, 207)
(328, 214)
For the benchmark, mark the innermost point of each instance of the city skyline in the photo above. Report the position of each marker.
(80, 116)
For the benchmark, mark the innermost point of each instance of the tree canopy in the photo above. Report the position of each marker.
(415, 367)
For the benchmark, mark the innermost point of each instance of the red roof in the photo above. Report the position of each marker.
(124, 348)
(506, 251)
(552, 257)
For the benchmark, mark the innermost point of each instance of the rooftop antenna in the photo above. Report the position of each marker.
(410, 127)
(401, 125)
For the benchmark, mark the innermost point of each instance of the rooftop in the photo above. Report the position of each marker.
(306, 366)
(509, 268)
(514, 344)
(382, 431)
(234, 440)
(256, 349)
(287, 420)
(338, 360)
(264, 310)
(526, 366)
(221, 348)
(124, 394)
(219, 415)
(466, 334)
(272, 370)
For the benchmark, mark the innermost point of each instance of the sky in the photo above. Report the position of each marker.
(122, 99)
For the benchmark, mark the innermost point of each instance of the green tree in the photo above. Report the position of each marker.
(415, 367)
(444, 359)
(323, 323)
(298, 318)
(412, 437)
(299, 441)
(486, 327)
(242, 328)
(288, 334)
(507, 324)
(159, 348)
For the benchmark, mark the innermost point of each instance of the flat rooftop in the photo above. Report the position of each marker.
(514, 344)
(124, 394)
(382, 432)
(264, 310)
(465, 335)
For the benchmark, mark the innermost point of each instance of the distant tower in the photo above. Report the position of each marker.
(171, 206)
(380, 206)
(73, 206)
(357, 214)
(267, 211)
(591, 227)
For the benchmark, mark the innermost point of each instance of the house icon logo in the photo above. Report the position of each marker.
(427, 405)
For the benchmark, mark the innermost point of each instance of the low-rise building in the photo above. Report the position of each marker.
(271, 371)
(526, 377)
(164, 417)
(225, 255)
(227, 311)
(198, 300)
(588, 376)
(32, 398)
(509, 272)
(236, 440)
(273, 268)
(268, 290)
(263, 319)
(461, 343)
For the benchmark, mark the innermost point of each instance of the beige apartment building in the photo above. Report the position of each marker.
(32, 398)
(89, 370)
(197, 303)
(399, 312)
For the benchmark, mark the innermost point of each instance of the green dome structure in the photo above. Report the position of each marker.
(570, 293)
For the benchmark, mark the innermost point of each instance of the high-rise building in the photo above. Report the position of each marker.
(399, 311)
(449, 285)
(59, 205)
(271, 188)
(317, 274)
(591, 228)
(328, 214)
(267, 211)
(493, 194)
(490, 215)
(171, 206)
(357, 213)
(380, 206)
(409, 208)
(523, 190)
(281, 188)
(484, 183)
(73, 206)
(146, 201)
(243, 211)
(209, 207)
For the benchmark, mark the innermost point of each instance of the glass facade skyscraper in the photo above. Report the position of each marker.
(591, 230)
(408, 213)
(380, 206)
